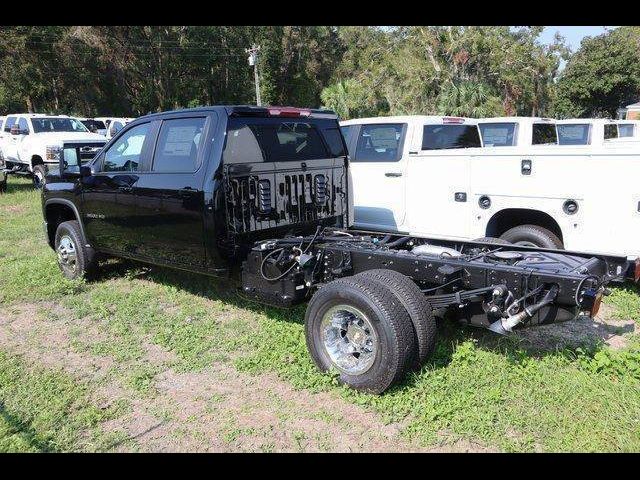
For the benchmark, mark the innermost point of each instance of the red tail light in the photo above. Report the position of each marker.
(289, 112)
(636, 275)
(446, 120)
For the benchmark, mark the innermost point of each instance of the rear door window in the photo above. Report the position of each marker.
(544, 134)
(380, 142)
(444, 137)
(502, 134)
(178, 145)
(574, 134)
(251, 140)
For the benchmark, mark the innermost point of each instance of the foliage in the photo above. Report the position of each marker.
(602, 76)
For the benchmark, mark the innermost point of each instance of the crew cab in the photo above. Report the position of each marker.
(435, 177)
(266, 192)
(33, 142)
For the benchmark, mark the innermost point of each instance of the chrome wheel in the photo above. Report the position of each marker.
(67, 256)
(349, 339)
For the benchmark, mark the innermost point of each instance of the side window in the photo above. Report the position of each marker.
(9, 123)
(1, 122)
(124, 154)
(444, 137)
(380, 143)
(625, 130)
(498, 134)
(574, 134)
(178, 145)
(23, 125)
(544, 134)
(610, 131)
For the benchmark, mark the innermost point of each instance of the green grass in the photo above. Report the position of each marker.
(45, 410)
(476, 387)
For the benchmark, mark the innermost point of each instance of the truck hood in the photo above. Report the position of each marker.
(59, 137)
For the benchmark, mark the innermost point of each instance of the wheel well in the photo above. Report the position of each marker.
(36, 160)
(57, 213)
(513, 217)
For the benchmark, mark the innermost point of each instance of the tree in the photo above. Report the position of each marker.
(602, 76)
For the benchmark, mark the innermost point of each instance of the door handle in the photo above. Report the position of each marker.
(526, 167)
(393, 174)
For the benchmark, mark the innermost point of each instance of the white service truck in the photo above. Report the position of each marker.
(32, 142)
(431, 176)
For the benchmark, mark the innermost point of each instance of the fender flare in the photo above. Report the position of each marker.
(68, 203)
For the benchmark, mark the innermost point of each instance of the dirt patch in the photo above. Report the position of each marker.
(14, 209)
(217, 409)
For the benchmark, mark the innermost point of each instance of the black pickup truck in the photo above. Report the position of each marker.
(266, 192)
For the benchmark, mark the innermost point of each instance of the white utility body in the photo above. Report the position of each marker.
(423, 183)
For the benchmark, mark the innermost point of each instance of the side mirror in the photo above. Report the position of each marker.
(70, 165)
(15, 130)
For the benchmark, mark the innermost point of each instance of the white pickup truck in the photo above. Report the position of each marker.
(32, 142)
(431, 176)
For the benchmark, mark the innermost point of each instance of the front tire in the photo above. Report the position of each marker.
(39, 176)
(75, 259)
(359, 328)
(532, 236)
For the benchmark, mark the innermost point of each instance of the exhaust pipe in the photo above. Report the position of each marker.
(505, 325)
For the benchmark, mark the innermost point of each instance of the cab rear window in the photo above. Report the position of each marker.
(252, 140)
(444, 137)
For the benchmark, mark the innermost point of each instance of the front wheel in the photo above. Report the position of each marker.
(75, 259)
(359, 328)
(39, 176)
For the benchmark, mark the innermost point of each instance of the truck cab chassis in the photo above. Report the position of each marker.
(267, 191)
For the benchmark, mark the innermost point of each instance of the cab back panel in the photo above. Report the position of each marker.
(264, 196)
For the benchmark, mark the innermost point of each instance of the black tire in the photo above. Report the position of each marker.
(3, 186)
(395, 340)
(528, 235)
(416, 305)
(499, 241)
(84, 266)
(39, 176)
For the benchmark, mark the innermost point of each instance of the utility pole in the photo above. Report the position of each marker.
(253, 61)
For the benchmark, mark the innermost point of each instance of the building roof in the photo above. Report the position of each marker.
(634, 105)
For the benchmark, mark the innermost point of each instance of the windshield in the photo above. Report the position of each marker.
(574, 133)
(52, 124)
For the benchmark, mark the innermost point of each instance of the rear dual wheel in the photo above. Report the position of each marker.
(359, 327)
